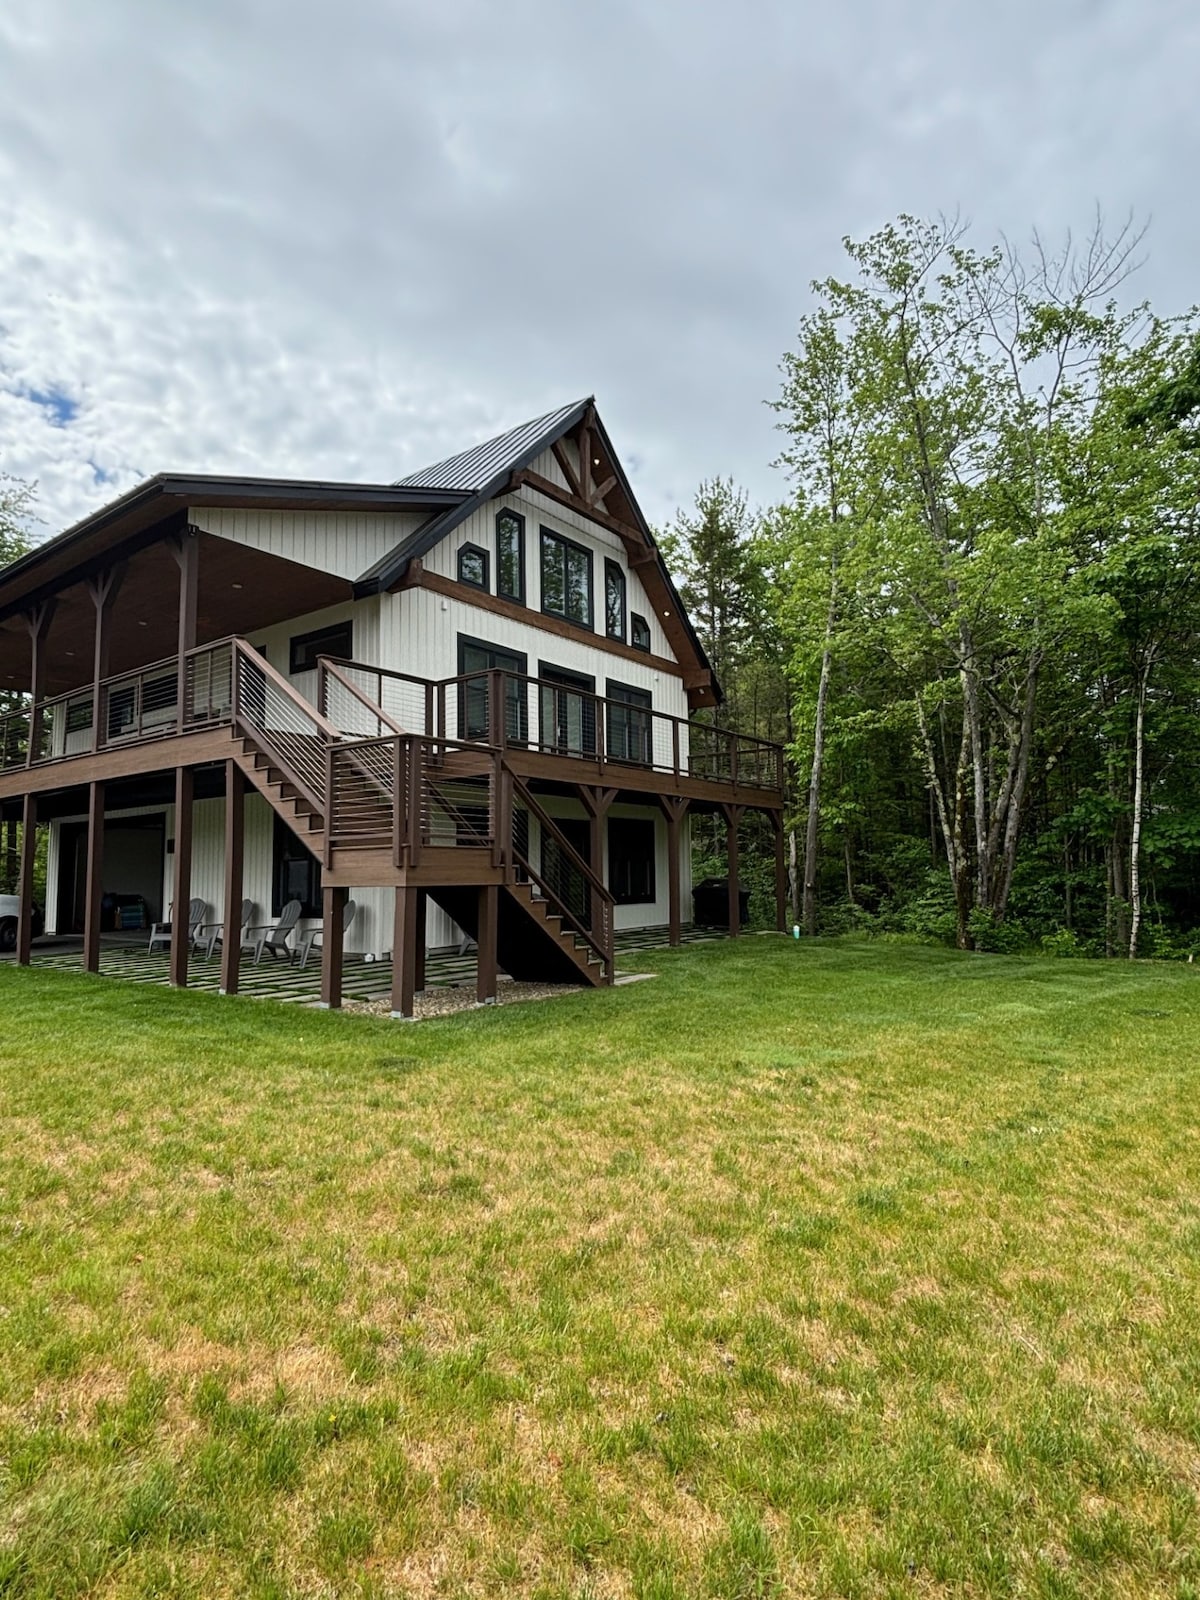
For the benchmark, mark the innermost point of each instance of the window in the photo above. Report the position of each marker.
(473, 566)
(474, 656)
(510, 555)
(336, 640)
(629, 724)
(639, 632)
(559, 869)
(631, 860)
(79, 716)
(566, 579)
(567, 708)
(614, 601)
(297, 874)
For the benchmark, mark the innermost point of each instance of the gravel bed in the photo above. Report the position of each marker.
(443, 1002)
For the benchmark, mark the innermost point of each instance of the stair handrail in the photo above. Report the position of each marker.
(266, 738)
(601, 896)
(328, 668)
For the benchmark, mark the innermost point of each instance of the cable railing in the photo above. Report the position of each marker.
(281, 723)
(568, 882)
(349, 692)
(555, 717)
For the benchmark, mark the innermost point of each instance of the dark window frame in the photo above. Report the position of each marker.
(519, 520)
(79, 717)
(469, 549)
(633, 731)
(292, 861)
(614, 569)
(518, 726)
(333, 633)
(562, 539)
(563, 682)
(638, 624)
(632, 874)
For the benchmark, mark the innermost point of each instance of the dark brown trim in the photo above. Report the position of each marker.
(333, 941)
(487, 944)
(421, 578)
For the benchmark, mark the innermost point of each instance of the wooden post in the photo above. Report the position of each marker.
(235, 855)
(419, 963)
(25, 878)
(732, 818)
(489, 923)
(781, 874)
(182, 876)
(597, 803)
(38, 623)
(404, 951)
(93, 878)
(333, 938)
(187, 554)
(674, 809)
(103, 590)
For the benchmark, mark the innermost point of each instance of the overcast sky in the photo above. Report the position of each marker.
(345, 239)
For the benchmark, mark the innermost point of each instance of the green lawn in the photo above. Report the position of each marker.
(834, 1269)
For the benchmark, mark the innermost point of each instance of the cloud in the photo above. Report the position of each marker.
(346, 240)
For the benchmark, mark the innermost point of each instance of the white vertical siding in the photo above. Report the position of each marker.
(346, 543)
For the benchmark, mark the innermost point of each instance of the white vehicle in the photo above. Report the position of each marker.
(9, 910)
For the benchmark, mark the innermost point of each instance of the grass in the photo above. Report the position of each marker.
(833, 1269)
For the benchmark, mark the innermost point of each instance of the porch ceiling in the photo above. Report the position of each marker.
(241, 590)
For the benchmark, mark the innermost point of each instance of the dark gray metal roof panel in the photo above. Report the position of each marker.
(472, 470)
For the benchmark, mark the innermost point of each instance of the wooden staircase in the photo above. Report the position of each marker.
(400, 799)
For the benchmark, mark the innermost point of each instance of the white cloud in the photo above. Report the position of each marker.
(344, 240)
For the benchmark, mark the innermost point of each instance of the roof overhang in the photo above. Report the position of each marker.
(144, 515)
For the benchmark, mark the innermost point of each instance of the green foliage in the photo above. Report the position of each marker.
(989, 582)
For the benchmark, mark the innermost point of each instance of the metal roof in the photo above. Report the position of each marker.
(472, 470)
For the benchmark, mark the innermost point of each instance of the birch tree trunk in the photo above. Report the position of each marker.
(813, 824)
(1135, 834)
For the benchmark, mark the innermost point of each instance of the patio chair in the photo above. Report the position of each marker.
(310, 941)
(274, 936)
(213, 933)
(160, 933)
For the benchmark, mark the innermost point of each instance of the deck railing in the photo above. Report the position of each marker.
(550, 715)
(505, 710)
(412, 792)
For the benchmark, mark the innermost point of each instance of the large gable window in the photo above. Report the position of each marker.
(510, 555)
(614, 601)
(336, 641)
(566, 579)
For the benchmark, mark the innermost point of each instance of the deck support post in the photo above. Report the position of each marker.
(38, 623)
(675, 809)
(103, 590)
(187, 553)
(93, 878)
(781, 874)
(404, 951)
(235, 856)
(422, 937)
(333, 940)
(487, 942)
(733, 815)
(25, 878)
(182, 876)
(597, 803)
